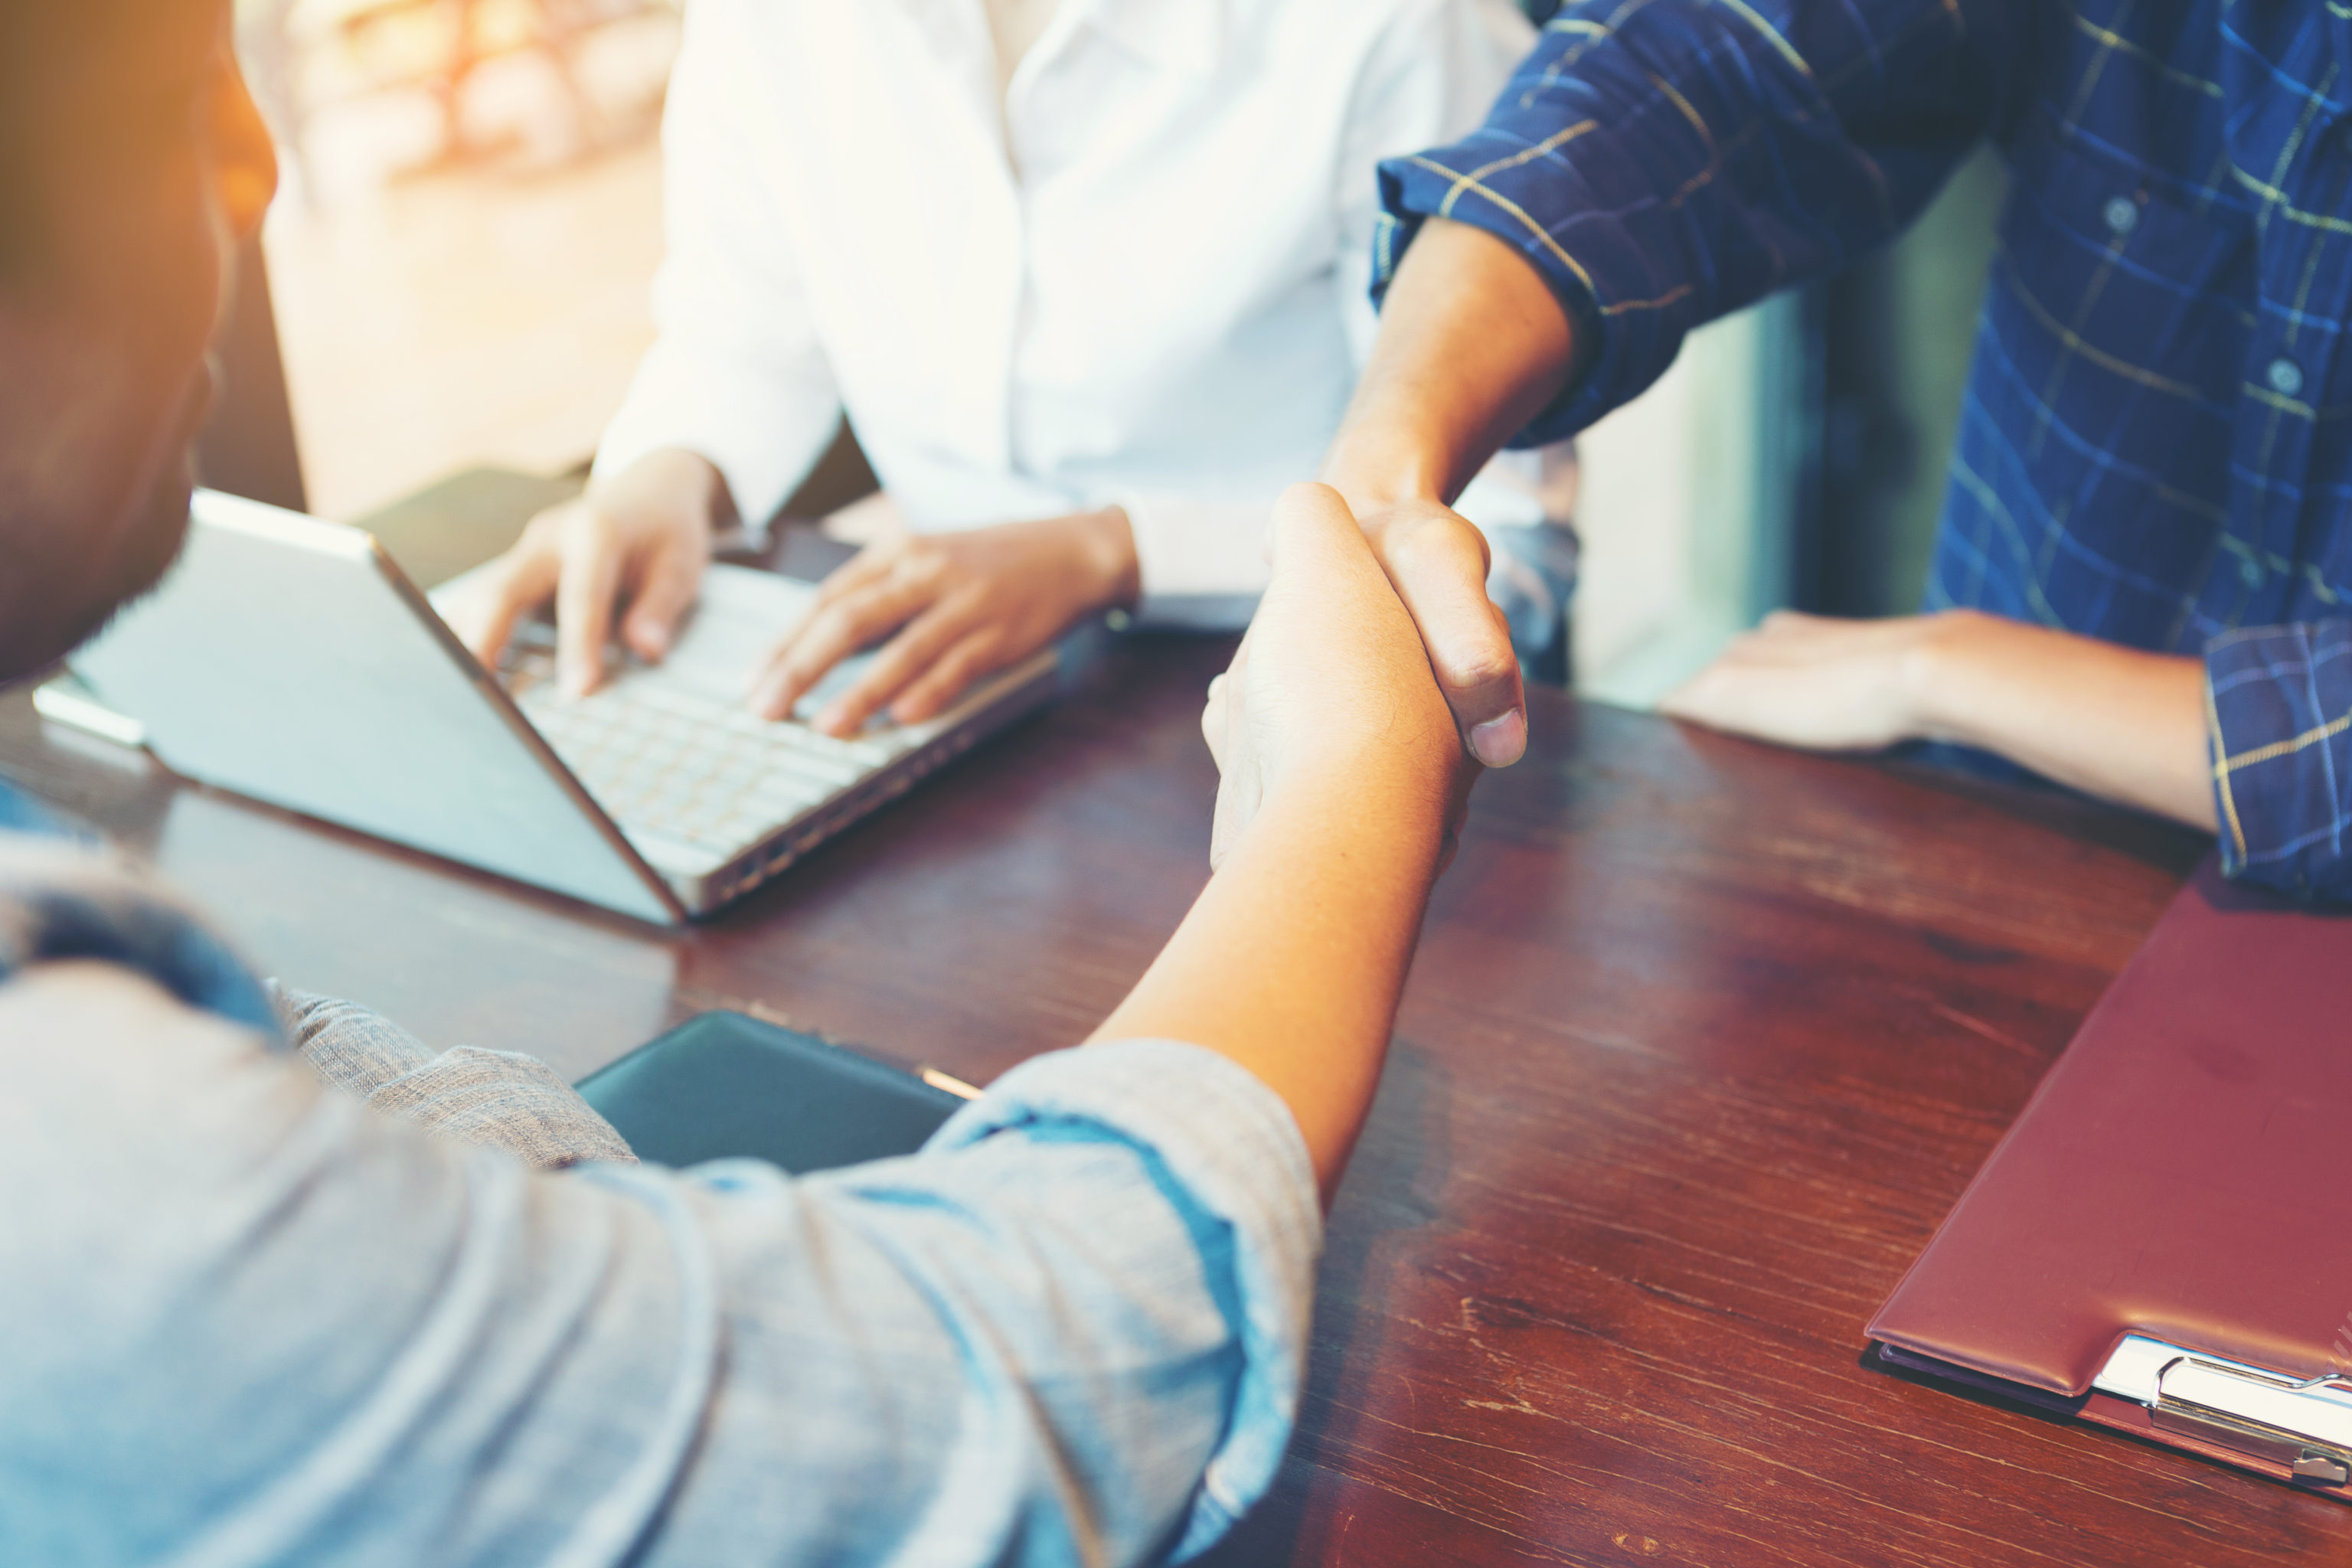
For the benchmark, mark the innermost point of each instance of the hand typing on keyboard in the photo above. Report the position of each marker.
(961, 605)
(641, 538)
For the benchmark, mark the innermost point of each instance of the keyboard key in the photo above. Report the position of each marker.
(702, 780)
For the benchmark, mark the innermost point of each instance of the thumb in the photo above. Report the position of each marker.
(1437, 562)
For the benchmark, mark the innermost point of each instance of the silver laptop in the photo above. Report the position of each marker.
(290, 659)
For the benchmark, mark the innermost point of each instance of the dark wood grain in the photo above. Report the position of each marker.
(1702, 1040)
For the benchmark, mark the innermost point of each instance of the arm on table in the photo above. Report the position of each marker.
(2111, 721)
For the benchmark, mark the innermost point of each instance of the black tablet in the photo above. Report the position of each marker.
(724, 1085)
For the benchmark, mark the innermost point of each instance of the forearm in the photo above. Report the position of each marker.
(1291, 961)
(2112, 722)
(1473, 344)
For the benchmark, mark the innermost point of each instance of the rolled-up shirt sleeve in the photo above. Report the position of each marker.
(1223, 1155)
(1070, 1330)
(1665, 163)
(2279, 725)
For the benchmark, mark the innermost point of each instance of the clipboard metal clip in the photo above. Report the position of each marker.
(2304, 1425)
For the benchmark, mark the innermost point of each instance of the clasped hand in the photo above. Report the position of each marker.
(1331, 692)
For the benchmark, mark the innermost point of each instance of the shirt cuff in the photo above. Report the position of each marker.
(1232, 1145)
(1202, 564)
(1580, 203)
(2278, 716)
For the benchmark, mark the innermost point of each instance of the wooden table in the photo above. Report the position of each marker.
(1702, 1040)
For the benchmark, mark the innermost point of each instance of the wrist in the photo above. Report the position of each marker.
(1386, 791)
(1110, 566)
(1376, 462)
(1363, 837)
(1932, 674)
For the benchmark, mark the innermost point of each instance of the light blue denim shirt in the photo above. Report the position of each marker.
(251, 1318)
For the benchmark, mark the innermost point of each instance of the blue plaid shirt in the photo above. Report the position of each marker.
(2153, 448)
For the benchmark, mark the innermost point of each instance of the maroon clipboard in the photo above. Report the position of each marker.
(2162, 1243)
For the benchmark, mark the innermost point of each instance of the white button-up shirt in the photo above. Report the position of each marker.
(1137, 278)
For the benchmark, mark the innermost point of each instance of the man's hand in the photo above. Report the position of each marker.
(1436, 561)
(1472, 346)
(2112, 722)
(1823, 684)
(1332, 681)
(642, 538)
(963, 606)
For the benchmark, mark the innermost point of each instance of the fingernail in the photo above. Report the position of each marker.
(1499, 742)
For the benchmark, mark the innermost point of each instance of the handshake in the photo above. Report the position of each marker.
(1333, 696)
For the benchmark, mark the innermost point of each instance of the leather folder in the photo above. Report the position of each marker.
(724, 1085)
(2162, 1243)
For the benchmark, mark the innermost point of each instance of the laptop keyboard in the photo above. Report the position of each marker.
(691, 782)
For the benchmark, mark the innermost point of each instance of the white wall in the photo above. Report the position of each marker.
(1688, 507)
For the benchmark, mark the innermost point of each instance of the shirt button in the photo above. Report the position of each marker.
(2122, 214)
(2250, 573)
(2284, 375)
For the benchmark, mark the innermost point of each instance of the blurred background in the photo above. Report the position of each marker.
(469, 218)
(458, 266)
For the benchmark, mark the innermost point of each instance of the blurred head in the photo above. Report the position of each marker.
(131, 164)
